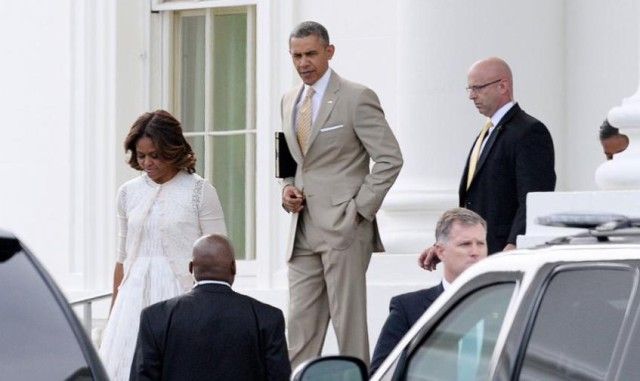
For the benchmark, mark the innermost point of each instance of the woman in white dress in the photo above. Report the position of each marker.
(161, 213)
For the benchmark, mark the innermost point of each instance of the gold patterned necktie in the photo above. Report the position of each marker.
(303, 120)
(475, 153)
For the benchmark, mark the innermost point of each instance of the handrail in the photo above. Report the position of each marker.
(86, 310)
(90, 299)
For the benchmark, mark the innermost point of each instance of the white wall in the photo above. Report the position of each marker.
(416, 53)
(601, 70)
(131, 77)
(364, 34)
(35, 134)
(71, 71)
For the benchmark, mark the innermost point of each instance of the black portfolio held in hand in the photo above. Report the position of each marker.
(285, 164)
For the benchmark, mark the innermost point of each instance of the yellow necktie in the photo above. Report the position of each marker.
(303, 120)
(475, 154)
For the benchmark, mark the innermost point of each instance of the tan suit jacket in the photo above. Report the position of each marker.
(335, 176)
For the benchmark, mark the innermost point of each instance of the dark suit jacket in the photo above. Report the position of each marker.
(211, 333)
(404, 311)
(518, 158)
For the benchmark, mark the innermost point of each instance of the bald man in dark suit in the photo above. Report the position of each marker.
(511, 156)
(212, 332)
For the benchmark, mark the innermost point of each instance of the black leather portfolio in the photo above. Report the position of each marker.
(285, 164)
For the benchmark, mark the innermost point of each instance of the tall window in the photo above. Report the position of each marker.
(214, 95)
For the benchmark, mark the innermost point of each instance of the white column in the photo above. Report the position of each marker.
(436, 122)
(92, 156)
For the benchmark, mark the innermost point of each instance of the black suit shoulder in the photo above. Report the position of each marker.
(273, 343)
(163, 307)
(410, 298)
(520, 124)
(267, 315)
(413, 304)
(260, 306)
(160, 312)
(404, 311)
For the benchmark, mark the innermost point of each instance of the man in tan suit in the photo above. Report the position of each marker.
(333, 128)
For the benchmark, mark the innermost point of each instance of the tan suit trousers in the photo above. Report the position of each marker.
(327, 284)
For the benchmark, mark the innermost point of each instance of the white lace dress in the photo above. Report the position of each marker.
(158, 226)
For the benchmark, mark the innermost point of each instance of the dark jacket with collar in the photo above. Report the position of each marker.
(404, 311)
(517, 159)
(211, 333)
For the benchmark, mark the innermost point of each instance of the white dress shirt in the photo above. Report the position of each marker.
(495, 119)
(200, 283)
(320, 87)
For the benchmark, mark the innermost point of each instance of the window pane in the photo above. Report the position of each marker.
(461, 346)
(230, 72)
(227, 160)
(577, 325)
(229, 174)
(197, 145)
(192, 84)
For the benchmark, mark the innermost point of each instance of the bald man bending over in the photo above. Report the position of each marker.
(212, 332)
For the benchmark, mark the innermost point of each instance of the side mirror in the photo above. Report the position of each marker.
(331, 368)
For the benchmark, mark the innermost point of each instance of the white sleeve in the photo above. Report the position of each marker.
(122, 225)
(210, 212)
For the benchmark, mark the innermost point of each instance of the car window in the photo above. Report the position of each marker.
(461, 345)
(36, 341)
(577, 324)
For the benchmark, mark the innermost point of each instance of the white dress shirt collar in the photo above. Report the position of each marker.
(497, 116)
(200, 283)
(495, 119)
(445, 284)
(320, 87)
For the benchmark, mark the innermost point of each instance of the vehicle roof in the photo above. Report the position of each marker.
(527, 260)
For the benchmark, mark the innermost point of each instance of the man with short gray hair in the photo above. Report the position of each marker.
(460, 242)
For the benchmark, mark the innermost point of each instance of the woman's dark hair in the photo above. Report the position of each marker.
(607, 130)
(166, 134)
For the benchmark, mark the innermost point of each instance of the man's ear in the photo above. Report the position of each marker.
(191, 267)
(331, 49)
(233, 268)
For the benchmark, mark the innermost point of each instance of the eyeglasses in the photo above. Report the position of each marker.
(471, 89)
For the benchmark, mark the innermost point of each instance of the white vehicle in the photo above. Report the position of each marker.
(561, 312)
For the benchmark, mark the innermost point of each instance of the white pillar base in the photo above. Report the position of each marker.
(408, 218)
